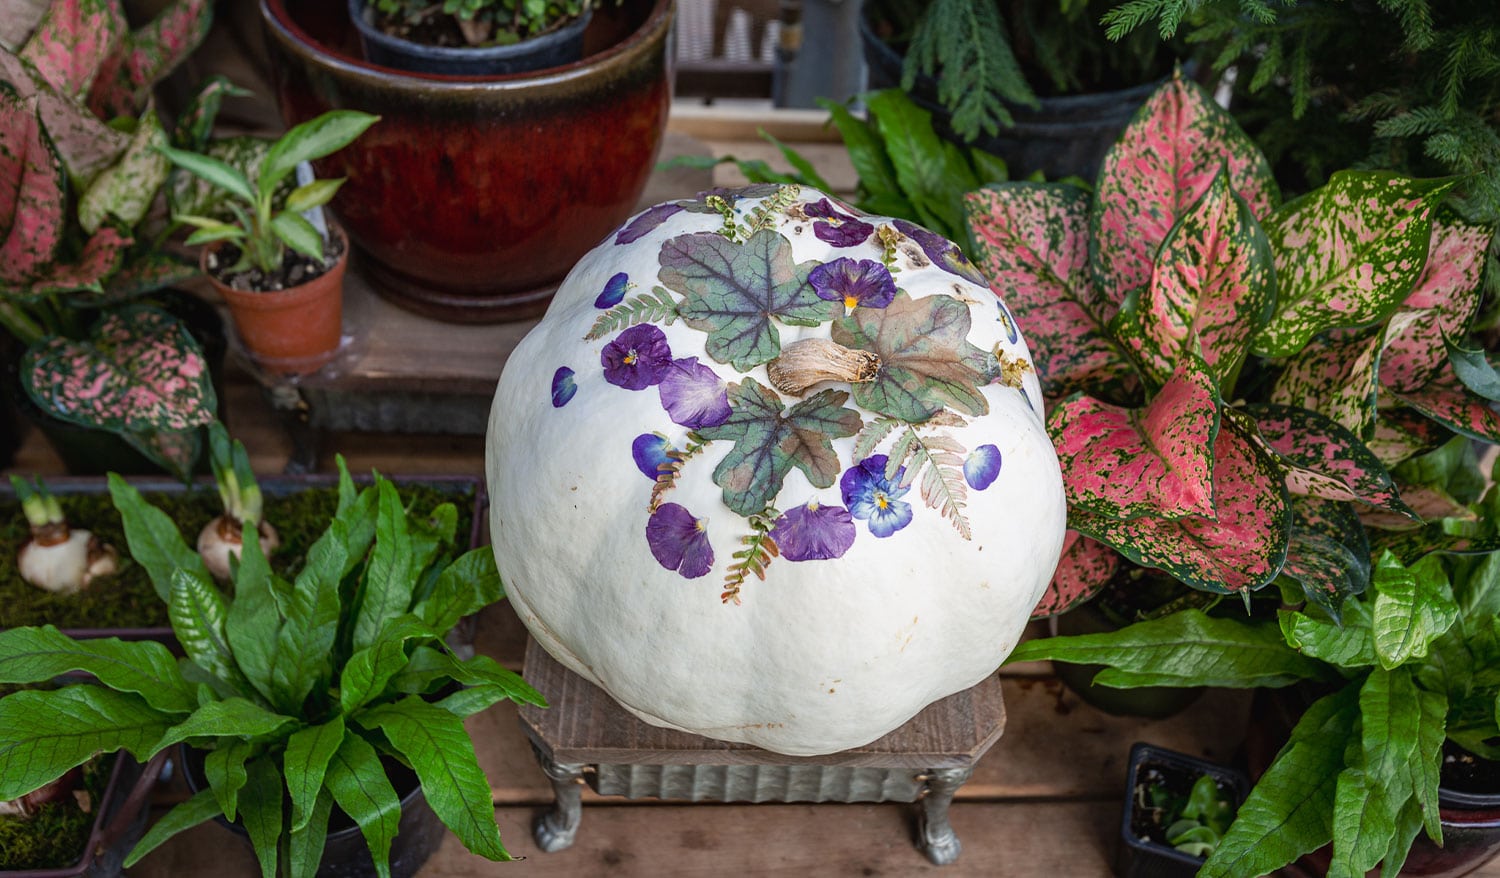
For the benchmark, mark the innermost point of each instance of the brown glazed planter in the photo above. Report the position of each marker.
(473, 196)
(293, 331)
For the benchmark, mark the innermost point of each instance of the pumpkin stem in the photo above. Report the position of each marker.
(810, 361)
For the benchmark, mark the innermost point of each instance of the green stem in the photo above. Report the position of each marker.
(20, 324)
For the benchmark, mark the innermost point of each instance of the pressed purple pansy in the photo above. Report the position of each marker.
(833, 226)
(874, 499)
(694, 395)
(650, 453)
(642, 225)
(982, 467)
(614, 291)
(563, 387)
(638, 358)
(858, 283)
(812, 532)
(943, 252)
(679, 541)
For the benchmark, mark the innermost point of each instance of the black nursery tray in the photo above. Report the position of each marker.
(127, 605)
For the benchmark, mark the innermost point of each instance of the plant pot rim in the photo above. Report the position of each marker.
(272, 300)
(621, 55)
(368, 31)
(1142, 752)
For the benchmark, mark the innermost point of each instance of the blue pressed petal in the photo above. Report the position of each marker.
(563, 387)
(1012, 331)
(694, 395)
(614, 291)
(896, 515)
(982, 467)
(650, 452)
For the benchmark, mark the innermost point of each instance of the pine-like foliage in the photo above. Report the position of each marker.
(964, 44)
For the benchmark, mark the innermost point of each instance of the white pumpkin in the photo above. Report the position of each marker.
(782, 582)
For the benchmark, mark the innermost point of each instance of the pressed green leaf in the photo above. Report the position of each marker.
(225, 769)
(201, 808)
(360, 787)
(43, 734)
(314, 194)
(466, 586)
(308, 752)
(1364, 822)
(1186, 648)
(387, 589)
(253, 621)
(215, 171)
(1412, 608)
(154, 540)
(305, 845)
(370, 668)
(260, 811)
(298, 234)
(312, 618)
(33, 655)
(233, 717)
(310, 141)
(440, 751)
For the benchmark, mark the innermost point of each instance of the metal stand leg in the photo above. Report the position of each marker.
(556, 829)
(935, 836)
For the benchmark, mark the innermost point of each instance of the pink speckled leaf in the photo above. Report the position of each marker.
(126, 189)
(1456, 407)
(1085, 567)
(1154, 461)
(146, 55)
(1429, 502)
(1324, 459)
(1162, 164)
(1401, 433)
(1213, 281)
(86, 144)
(1243, 548)
(1448, 293)
(32, 192)
(1328, 554)
(100, 258)
(1032, 242)
(1336, 378)
(140, 273)
(73, 38)
(1347, 254)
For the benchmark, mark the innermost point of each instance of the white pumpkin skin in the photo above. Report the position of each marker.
(821, 655)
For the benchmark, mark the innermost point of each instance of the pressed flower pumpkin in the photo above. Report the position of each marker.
(774, 472)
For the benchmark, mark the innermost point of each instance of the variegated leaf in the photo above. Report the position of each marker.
(86, 144)
(1032, 242)
(1242, 549)
(126, 189)
(1155, 461)
(190, 194)
(1213, 282)
(1448, 291)
(32, 192)
(1328, 553)
(195, 123)
(1447, 401)
(1346, 254)
(1401, 433)
(1336, 377)
(1085, 567)
(72, 40)
(139, 274)
(146, 55)
(1163, 163)
(1428, 502)
(101, 256)
(1324, 459)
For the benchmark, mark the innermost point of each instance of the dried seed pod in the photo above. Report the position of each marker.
(810, 361)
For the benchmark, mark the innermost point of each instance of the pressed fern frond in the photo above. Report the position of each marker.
(657, 306)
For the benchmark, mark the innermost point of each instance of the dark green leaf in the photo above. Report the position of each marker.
(360, 787)
(1390, 717)
(260, 811)
(466, 586)
(1413, 606)
(481, 670)
(1364, 822)
(1408, 824)
(369, 669)
(305, 847)
(33, 655)
(312, 618)
(308, 752)
(988, 167)
(1473, 369)
(215, 171)
(201, 808)
(224, 767)
(43, 734)
(197, 611)
(253, 621)
(877, 177)
(234, 717)
(1350, 646)
(931, 171)
(154, 540)
(1328, 553)
(387, 589)
(808, 173)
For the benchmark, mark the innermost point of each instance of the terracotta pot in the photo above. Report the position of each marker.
(293, 331)
(473, 196)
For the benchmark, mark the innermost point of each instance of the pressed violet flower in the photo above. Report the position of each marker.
(812, 532)
(643, 225)
(650, 453)
(563, 387)
(943, 252)
(874, 499)
(982, 467)
(614, 291)
(858, 283)
(638, 358)
(679, 541)
(694, 395)
(833, 226)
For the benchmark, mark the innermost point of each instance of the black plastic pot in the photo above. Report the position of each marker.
(558, 47)
(118, 824)
(1064, 136)
(1139, 856)
(1151, 702)
(345, 853)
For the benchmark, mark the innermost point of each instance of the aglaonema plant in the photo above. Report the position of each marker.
(299, 694)
(1230, 377)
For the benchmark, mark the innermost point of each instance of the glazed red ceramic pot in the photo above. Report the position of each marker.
(473, 197)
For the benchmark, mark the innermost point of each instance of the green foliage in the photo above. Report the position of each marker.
(265, 224)
(1196, 822)
(295, 691)
(487, 22)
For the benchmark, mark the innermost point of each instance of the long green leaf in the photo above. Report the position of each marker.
(305, 847)
(472, 699)
(359, 785)
(234, 717)
(1412, 608)
(216, 172)
(1408, 824)
(253, 621)
(305, 764)
(310, 141)
(441, 752)
(201, 808)
(1364, 822)
(481, 670)
(390, 578)
(197, 611)
(368, 671)
(314, 194)
(877, 177)
(1350, 646)
(43, 734)
(225, 769)
(145, 667)
(931, 171)
(1186, 648)
(154, 540)
(1427, 761)
(312, 618)
(261, 813)
(466, 586)
(298, 234)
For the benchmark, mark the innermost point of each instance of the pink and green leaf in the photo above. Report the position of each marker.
(139, 274)
(72, 40)
(1163, 163)
(146, 55)
(1447, 401)
(1032, 242)
(1429, 502)
(1347, 254)
(1213, 281)
(1242, 549)
(1328, 553)
(1155, 461)
(100, 258)
(1083, 570)
(85, 144)
(1401, 433)
(126, 189)
(195, 124)
(1324, 459)
(32, 192)
(1336, 377)
(1448, 292)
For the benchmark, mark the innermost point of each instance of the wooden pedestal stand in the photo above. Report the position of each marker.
(586, 737)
